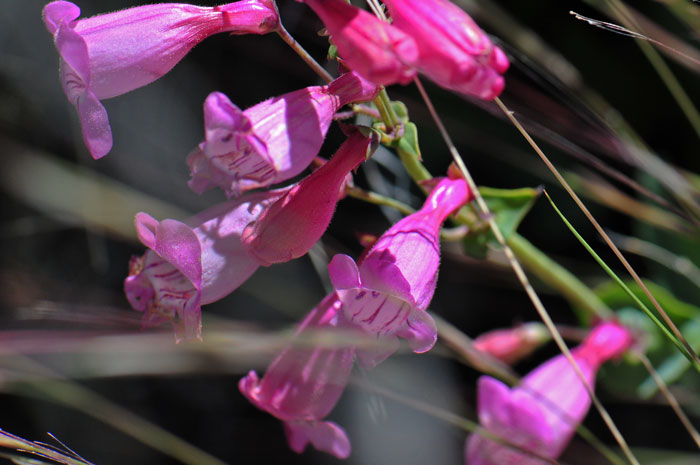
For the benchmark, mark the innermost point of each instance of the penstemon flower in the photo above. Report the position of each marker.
(375, 49)
(294, 223)
(192, 264)
(390, 290)
(452, 50)
(303, 384)
(272, 141)
(111, 54)
(543, 411)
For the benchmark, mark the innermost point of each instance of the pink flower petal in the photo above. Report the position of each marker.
(325, 436)
(343, 272)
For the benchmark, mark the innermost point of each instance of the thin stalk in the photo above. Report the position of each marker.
(378, 199)
(522, 277)
(672, 401)
(308, 59)
(557, 277)
(600, 230)
(617, 279)
(657, 62)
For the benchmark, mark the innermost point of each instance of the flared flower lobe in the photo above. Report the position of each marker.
(303, 384)
(192, 264)
(387, 293)
(114, 53)
(269, 142)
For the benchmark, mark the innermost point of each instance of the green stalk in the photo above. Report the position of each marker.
(386, 110)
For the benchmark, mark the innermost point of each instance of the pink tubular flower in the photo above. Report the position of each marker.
(295, 222)
(452, 50)
(388, 293)
(543, 411)
(111, 54)
(510, 345)
(303, 384)
(272, 141)
(192, 264)
(378, 51)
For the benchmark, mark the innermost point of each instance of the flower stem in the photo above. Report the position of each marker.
(558, 277)
(308, 59)
(386, 111)
(378, 199)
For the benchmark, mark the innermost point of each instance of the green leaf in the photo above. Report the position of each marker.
(401, 110)
(332, 52)
(509, 207)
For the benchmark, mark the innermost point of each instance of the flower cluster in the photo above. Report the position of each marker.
(384, 295)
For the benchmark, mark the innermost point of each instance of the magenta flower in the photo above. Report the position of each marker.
(295, 222)
(542, 413)
(388, 293)
(111, 54)
(192, 264)
(378, 51)
(303, 384)
(272, 141)
(452, 50)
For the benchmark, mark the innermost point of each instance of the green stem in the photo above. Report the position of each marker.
(378, 199)
(386, 110)
(558, 277)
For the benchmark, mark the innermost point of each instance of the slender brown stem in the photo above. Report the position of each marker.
(308, 59)
(672, 401)
(600, 230)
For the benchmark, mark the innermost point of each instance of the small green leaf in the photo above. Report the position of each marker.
(509, 207)
(332, 52)
(400, 109)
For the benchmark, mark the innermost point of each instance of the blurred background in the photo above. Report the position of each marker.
(67, 236)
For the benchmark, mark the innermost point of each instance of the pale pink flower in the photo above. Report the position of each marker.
(512, 344)
(452, 50)
(388, 294)
(294, 223)
(542, 413)
(378, 51)
(192, 264)
(114, 53)
(303, 384)
(269, 142)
